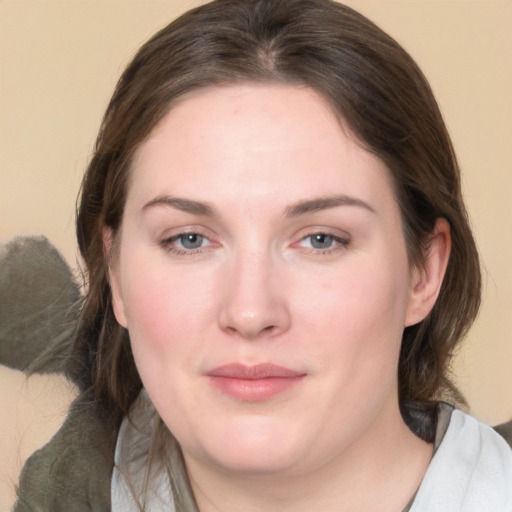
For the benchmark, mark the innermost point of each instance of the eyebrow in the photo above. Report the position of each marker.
(324, 203)
(185, 205)
(295, 210)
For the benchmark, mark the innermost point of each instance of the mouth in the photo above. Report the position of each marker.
(253, 383)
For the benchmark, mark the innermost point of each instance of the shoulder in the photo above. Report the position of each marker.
(72, 471)
(480, 442)
(471, 470)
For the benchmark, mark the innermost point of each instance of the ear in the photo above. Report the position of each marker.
(427, 279)
(113, 276)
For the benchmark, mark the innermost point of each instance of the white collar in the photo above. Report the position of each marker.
(470, 472)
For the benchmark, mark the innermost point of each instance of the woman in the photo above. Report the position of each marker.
(280, 265)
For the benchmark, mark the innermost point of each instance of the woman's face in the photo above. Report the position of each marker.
(263, 277)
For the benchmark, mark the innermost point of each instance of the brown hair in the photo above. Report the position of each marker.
(383, 98)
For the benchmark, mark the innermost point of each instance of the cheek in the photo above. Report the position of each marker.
(167, 314)
(166, 323)
(358, 299)
(357, 318)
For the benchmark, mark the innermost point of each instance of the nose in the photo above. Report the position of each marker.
(254, 303)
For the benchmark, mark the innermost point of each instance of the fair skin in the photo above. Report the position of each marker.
(257, 231)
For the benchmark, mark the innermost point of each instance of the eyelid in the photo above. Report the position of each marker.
(316, 230)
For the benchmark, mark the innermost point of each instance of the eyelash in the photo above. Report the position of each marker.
(339, 243)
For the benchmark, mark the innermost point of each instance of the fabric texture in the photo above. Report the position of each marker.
(471, 470)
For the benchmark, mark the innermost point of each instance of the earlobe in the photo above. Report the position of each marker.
(427, 280)
(113, 278)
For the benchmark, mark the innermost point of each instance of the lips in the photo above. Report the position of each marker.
(253, 383)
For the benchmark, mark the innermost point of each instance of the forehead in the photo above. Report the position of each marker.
(252, 140)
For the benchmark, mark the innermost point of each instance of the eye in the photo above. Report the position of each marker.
(320, 241)
(190, 240)
(186, 243)
(323, 243)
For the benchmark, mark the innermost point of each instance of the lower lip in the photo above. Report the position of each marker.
(254, 390)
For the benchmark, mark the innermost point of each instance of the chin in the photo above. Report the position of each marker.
(252, 446)
(267, 460)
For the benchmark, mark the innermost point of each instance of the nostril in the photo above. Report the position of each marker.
(249, 333)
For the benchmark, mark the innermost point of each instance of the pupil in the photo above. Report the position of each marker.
(191, 241)
(321, 241)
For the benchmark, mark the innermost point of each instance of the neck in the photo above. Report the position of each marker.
(381, 470)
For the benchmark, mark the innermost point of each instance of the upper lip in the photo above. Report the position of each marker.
(254, 372)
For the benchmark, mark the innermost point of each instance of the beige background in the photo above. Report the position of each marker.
(59, 62)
